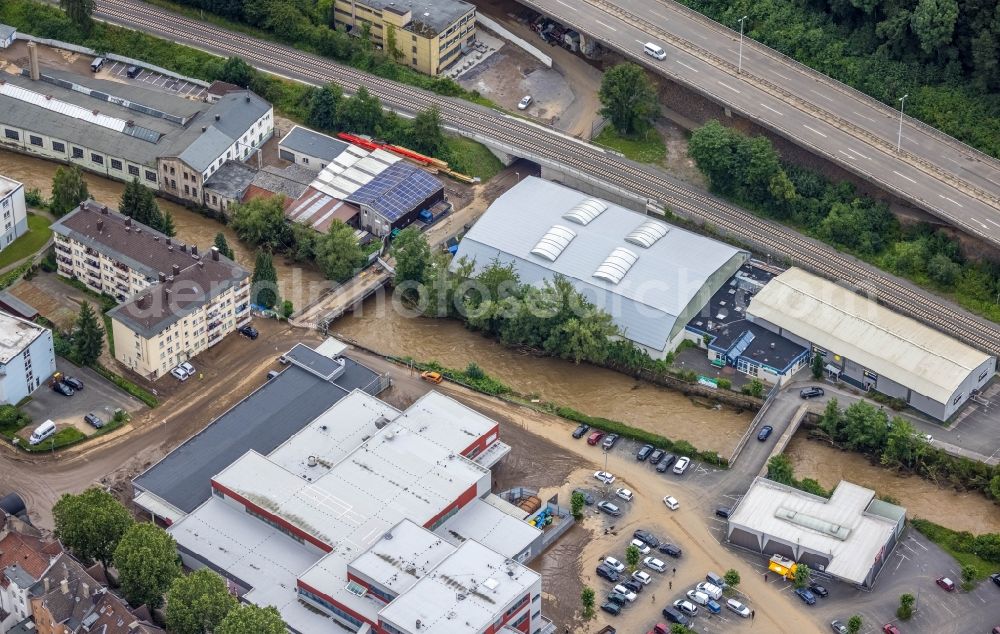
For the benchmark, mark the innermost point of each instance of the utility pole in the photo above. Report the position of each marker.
(899, 139)
(740, 65)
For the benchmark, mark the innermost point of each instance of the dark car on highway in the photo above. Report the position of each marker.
(94, 420)
(74, 383)
(665, 462)
(811, 392)
(670, 549)
(764, 433)
(643, 452)
(63, 388)
(581, 431)
(647, 538)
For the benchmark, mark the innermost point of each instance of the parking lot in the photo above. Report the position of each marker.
(119, 72)
(99, 396)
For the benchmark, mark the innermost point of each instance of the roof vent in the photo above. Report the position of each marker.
(100, 225)
(554, 242)
(614, 268)
(646, 234)
(248, 98)
(585, 211)
(204, 128)
(176, 269)
(312, 461)
(218, 116)
(168, 240)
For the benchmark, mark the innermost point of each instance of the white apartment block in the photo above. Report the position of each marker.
(13, 211)
(27, 357)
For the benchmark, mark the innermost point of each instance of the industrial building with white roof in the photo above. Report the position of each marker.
(27, 357)
(379, 519)
(870, 346)
(848, 536)
(651, 277)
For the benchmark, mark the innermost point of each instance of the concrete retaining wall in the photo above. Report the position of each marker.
(495, 26)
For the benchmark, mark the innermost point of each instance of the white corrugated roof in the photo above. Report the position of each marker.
(62, 107)
(845, 323)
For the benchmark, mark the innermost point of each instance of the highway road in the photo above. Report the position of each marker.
(932, 170)
(545, 145)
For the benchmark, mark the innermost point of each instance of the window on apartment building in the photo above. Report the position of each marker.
(187, 190)
(229, 154)
(151, 176)
(11, 134)
(133, 170)
(116, 164)
(173, 183)
(97, 158)
(194, 191)
(185, 175)
(35, 140)
(172, 170)
(414, 61)
(78, 152)
(58, 147)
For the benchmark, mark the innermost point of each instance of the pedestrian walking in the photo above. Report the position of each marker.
(753, 614)
(765, 577)
(675, 572)
(671, 585)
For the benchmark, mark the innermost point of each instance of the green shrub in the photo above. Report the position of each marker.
(12, 420)
(63, 438)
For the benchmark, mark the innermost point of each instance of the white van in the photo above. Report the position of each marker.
(654, 50)
(710, 589)
(43, 431)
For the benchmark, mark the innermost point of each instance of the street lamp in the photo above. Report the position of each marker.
(899, 139)
(739, 68)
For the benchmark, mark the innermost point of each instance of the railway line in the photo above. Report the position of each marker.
(535, 142)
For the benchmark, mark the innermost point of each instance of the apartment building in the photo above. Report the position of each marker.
(429, 35)
(175, 301)
(13, 211)
(27, 357)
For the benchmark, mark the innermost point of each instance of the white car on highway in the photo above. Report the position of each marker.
(604, 477)
(671, 502)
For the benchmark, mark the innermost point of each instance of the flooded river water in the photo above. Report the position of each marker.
(959, 511)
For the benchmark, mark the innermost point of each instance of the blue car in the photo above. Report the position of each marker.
(765, 431)
(806, 596)
(713, 607)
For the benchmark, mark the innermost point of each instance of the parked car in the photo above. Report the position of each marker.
(642, 577)
(431, 377)
(656, 456)
(63, 388)
(609, 441)
(283, 360)
(682, 465)
(641, 545)
(735, 606)
(686, 607)
(724, 512)
(838, 626)
(249, 332)
(74, 383)
(617, 597)
(811, 392)
(665, 462)
(651, 540)
(614, 564)
(588, 497)
(715, 580)
(654, 564)
(93, 420)
(819, 590)
(581, 431)
(187, 367)
(697, 597)
(625, 592)
(625, 494)
(524, 103)
(945, 583)
(179, 374)
(713, 607)
(889, 628)
(611, 608)
(808, 597)
(133, 72)
(674, 615)
(595, 437)
(643, 452)
(713, 591)
(671, 502)
(671, 549)
(604, 477)
(608, 573)
(995, 578)
(633, 586)
(764, 433)
(609, 508)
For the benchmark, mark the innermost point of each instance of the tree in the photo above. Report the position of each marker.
(236, 71)
(412, 253)
(779, 469)
(338, 252)
(264, 283)
(969, 574)
(854, 624)
(933, 22)
(167, 225)
(817, 366)
(677, 628)
(425, 132)
(628, 99)
(754, 388)
(943, 270)
(632, 556)
(576, 502)
(904, 446)
(287, 309)
(223, 246)
(147, 563)
(197, 603)
(79, 12)
(905, 609)
(252, 618)
(995, 487)
(732, 578)
(362, 112)
(324, 111)
(88, 336)
(68, 190)
(801, 577)
(91, 524)
(588, 601)
(261, 222)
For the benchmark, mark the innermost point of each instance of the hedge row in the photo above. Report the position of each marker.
(63, 438)
(127, 386)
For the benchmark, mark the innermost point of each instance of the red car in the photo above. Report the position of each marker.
(889, 628)
(945, 583)
(595, 437)
(659, 628)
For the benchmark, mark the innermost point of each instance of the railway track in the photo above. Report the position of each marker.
(539, 143)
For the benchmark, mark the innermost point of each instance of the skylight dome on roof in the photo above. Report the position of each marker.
(553, 242)
(614, 268)
(646, 234)
(585, 211)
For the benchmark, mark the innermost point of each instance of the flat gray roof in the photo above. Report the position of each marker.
(231, 180)
(312, 143)
(429, 16)
(260, 422)
(6, 31)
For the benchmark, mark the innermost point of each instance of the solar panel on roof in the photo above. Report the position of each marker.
(397, 191)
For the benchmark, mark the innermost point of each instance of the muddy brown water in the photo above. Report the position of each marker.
(296, 282)
(591, 390)
(959, 511)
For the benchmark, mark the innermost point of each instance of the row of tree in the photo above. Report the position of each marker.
(96, 527)
(749, 171)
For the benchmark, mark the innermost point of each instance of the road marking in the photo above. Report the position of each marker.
(858, 153)
(993, 222)
(816, 92)
(865, 117)
(568, 6)
(782, 76)
(608, 26)
(904, 176)
(953, 201)
(686, 66)
(814, 130)
(659, 15)
(641, 42)
(727, 86)
(773, 110)
(846, 154)
(955, 162)
(980, 223)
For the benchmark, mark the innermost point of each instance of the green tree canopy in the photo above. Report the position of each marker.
(79, 12)
(338, 253)
(88, 337)
(361, 113)
(264, 283)
(779, 469)
(68, 190)
(817, 366)
(588, 600)
(198, 602)
(632, 556)
(854, 624)
(801, 578)
(252, 618)
(236, 71)
(324, 110)
(223, 246)
(147, 563)
(426, 135)
(628, 98)
(261, 222)
(732, 578)
(91, 524)
(933, 22)
(412, 253)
